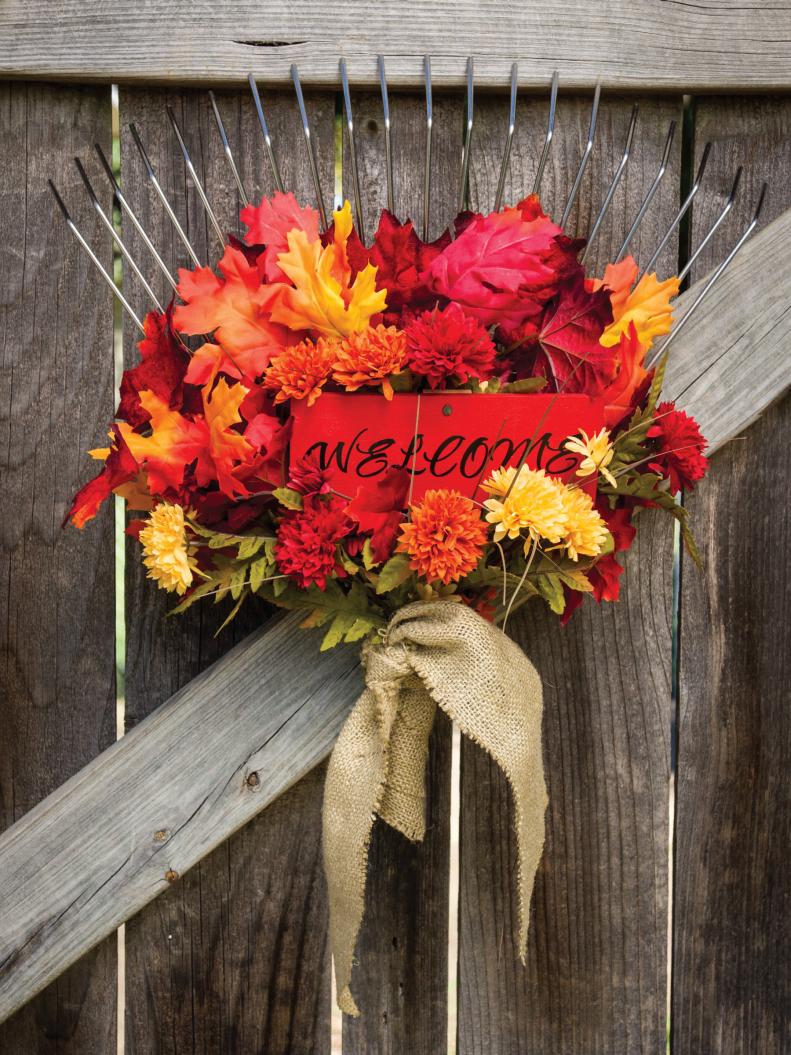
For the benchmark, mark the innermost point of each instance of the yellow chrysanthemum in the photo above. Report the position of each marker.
(165, 549)
(596, 453)
(586, 532)
(533, 502)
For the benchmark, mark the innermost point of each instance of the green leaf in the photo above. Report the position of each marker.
(656, 385)
(250, 546)
(396, 571)
(346, 561)
(288, 497)
(259, 570)
(232, 614)
(525, 385)
(339, 626)
(403, 381)
(238, 582)
(368, 556)
(550, 588)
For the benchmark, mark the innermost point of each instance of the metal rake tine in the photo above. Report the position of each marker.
(265, 132)
(725, 210)
(226, 146)
(126, 207)
(108, 224)
(314, 169)
(347, 103)
(388, 141)
(498, 198)
(108, 278)
(684, 206)
(614, 182)
(586, 153)
(553, 103)
(429, 130)
(194, 175)
(465, 154)
(679, 326)
(163, 197)
(651, 190)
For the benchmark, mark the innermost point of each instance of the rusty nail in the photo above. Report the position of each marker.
(171, 875)
(253, 780)
(160, 836)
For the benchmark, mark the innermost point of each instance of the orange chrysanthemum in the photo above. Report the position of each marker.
(300, 372)
(369, 358)
(444, 536)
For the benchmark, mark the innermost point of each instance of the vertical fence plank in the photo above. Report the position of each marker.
(731, 979)
(234, 958)
(402, 983)
(596, 972)
(57, 658)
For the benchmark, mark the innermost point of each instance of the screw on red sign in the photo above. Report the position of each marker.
(447, 438)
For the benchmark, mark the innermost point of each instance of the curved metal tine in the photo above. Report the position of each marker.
(429, 130)
(586, 153)
(226, 146)
(715, 276)
(265, 132)
(194, 176)
(651, 191)
(498, 198)
(682, 211)
(163, 197)
(95, 260)
(347, 104)
(615, 181)
(388, 141)
(314, 169)
(137, 225)
(553, 103)
(465, 153)
(108, 224)
(725, 210)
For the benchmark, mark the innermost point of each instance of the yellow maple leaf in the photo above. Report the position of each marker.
(648, 307)
(323, 298)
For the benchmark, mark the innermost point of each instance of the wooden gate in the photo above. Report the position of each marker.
(645, 922)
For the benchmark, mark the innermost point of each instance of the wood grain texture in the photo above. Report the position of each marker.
(123, 829)
(714, 45)
(57, 657)
(204, 982)
(402, 983)
(595, 979)
(732, 981)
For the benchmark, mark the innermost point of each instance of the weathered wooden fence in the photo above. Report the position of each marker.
(232, 956)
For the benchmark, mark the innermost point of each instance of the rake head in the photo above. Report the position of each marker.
(546, 147)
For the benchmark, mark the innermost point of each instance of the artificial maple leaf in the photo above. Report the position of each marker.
(400, 259)
(564, 345)
(503, 268)
(233, 308)
(269, 223)
(119, 468)
(648, 307)
(324, 298)
(618, 279)
(162, 366)
(174, 443)
(631, 380)
(226, 448)
(378, 509)
(207, 362)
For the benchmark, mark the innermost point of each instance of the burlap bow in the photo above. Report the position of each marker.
(436, 654)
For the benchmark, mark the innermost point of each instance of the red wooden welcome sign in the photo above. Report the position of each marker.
(449, 438)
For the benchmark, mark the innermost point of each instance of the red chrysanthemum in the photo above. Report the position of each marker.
(446, 346)
(444, 537)
(307, 542)
(309, 477)
(680, 447)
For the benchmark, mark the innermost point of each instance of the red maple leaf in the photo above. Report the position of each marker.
(401, 258)
(162, 367)
(378, 510)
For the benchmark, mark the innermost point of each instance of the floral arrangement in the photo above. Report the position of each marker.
(201, 442)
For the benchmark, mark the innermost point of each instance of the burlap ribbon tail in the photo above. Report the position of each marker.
(436, 654)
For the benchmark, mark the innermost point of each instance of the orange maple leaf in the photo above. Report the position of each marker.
(618, 279)
(227, 448)
(175, 441)
(323, 298)
(269, 224)
(647, 306)
(234, 308)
